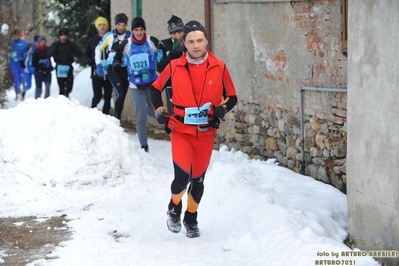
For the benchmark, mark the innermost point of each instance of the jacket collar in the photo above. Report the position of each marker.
(212, 60)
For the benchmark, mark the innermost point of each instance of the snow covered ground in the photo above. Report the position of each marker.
(58, 156)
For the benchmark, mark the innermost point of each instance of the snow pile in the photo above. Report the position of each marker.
(78, 144)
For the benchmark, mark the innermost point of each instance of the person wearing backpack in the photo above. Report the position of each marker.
(169, 49)
(203, 92)
(139, 52)
(101, 85)
(104, 56)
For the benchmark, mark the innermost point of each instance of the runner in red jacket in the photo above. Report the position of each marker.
(203, 92)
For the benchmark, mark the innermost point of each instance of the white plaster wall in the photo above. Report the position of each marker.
(373, 124)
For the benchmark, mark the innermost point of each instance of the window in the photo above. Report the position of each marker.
(344, 26)
(252, 1)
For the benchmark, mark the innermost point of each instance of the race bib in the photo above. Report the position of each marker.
(139, 62)
(62, 71)
(197, 116)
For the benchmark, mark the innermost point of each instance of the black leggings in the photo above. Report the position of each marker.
(66, 84)
(179, 186)
(98, 86)
(120, 83)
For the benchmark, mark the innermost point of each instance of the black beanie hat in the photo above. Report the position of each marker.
(121, 18)
(41, 38)
(138, 22)
(175, 24)
(35, 38)
(63, 31)
(193, 25)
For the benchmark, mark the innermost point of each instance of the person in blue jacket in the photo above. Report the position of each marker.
(19, 47)
(140, 54)
(29, 69)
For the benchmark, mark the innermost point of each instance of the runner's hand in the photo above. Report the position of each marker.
(162, 115)
(219, 111)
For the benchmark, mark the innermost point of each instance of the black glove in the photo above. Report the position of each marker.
(215, 123)
(117, 66)
(219, 111)
(167, 129)
(21, 63)
(162, 115)
(163, 118)
(178, 44)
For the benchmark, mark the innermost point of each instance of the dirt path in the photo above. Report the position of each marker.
(26, 239)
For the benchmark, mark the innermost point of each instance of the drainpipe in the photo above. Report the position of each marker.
(302, 89)
(208, 22)
(137, 9)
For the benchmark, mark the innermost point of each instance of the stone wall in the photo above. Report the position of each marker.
(273, 132)
(303, 48)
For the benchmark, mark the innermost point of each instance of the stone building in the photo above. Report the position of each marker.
(273, 49)
(294, 64)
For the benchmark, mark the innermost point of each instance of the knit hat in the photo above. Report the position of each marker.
(41, 38)
(63, 31)
(35, 38)
(193, 25)
(175, 24)
(101, 20)
(138, 22)
(121, 18)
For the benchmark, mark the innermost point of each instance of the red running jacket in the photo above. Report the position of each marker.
(217, 87)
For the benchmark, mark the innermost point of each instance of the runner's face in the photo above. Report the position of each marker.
(121, 28)
(176, 35)
(102, 29)
(63, 38)
(138, 33)
(196, 43)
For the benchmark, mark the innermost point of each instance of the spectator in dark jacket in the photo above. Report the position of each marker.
(169, 49)
(42, 65)
(98, 83)
(63, 51)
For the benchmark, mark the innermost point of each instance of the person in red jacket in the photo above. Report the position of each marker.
(203, 91)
